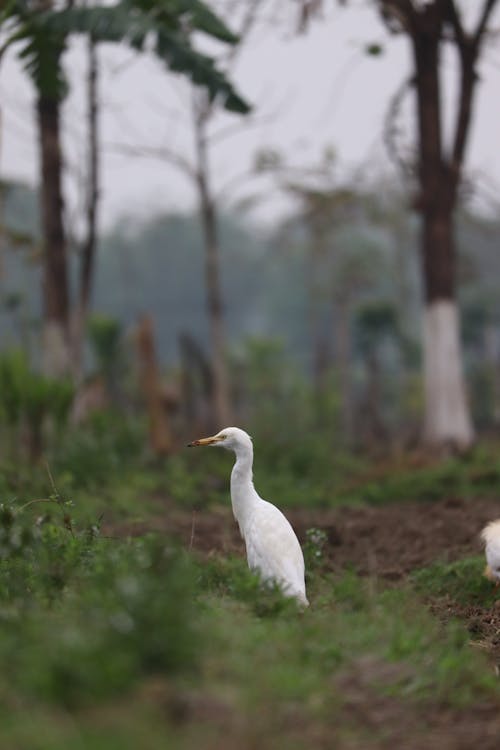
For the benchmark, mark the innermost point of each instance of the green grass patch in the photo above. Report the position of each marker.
(105, 641)
(104, 467)
(462, 581)
(294, 653)
(313, 474)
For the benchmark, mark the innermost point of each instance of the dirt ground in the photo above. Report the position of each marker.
(386, 543)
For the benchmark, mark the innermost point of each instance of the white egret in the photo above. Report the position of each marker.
(491, 538)
(273, 550)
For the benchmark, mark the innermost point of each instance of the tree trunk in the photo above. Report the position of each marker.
(215, 314)
(447, 416)
(447, 419)
(56, 340)
(160, 438)
(343, 356)
(197, 386)
(89, 245)
(375, 431)
(222, 408)
(320, 351)
(2, 209)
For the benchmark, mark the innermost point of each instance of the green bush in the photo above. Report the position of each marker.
(32, 407)
(83, 617)
(93, 455)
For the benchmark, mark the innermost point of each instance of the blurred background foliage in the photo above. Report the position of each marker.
(306, 333)
(297, 322)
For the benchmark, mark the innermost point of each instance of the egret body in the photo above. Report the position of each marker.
(491, 538)
(273, 550)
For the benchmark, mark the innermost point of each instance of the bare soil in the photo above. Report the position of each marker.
(386, 543)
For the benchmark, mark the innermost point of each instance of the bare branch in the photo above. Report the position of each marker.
(226, 192)
(247, 124)
(463, 116)
(38, 500)
(206, 109)
(243, 32)
(483, 20)
(463, 39)
(469, 50)
(390, 131)
(154, 152)
(456, 24)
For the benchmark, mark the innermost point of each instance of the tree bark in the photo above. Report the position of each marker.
(319, 349)
(222, 408)
(447, 415)
(343, 356)
(88, 254)
(89, 246)
(215, 314)
(428, 25)
(56, 337)
(160, 438)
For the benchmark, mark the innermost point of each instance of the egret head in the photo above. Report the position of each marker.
(231, 438)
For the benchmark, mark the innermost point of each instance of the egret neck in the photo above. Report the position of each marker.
(243, 495)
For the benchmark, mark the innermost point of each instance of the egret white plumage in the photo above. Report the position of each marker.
(491, 538)
(273, 550)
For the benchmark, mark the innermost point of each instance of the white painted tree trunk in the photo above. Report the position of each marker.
(57, 359)
(447, 417)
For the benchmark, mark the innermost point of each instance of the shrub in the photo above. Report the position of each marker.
(83, 617)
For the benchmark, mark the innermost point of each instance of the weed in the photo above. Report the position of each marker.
(462, 580)
(314, 549)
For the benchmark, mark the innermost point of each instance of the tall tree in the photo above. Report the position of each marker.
(335, 271)
(215, 308)
(197, 169)
(429, 27)
(88, 247)
(50, 88)
(43, 31)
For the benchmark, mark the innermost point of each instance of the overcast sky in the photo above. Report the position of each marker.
(308, 91)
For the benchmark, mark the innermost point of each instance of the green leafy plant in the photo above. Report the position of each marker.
(314, 549)
(31, 404)
(83, 617)
(165, 27)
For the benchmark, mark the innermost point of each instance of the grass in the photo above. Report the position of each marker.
(109, 643)
(462, 581)
(103, 468)
(135, 643)
(331, 478)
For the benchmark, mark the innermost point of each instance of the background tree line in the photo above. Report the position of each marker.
(350, 306)
(359, 299)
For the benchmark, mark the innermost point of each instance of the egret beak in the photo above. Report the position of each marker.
(206, 441)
